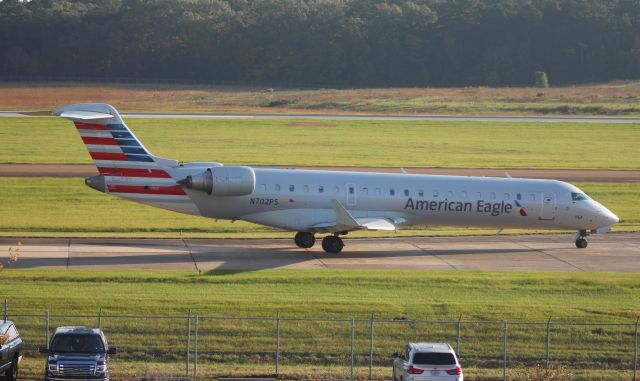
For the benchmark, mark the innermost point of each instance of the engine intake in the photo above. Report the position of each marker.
(223, 181)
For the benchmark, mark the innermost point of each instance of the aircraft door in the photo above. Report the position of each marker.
(548, 211)
(351, 194)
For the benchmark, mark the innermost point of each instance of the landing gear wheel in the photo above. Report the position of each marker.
(12, 373)
(304, 239)
(332, 244)
(581, 243)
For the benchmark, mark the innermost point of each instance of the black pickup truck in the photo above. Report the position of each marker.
(10, 348)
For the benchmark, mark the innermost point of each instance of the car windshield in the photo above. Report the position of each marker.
(434, 358)
(78, 343)
(579, 196)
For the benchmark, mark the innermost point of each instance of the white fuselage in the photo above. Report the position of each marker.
(298, 200)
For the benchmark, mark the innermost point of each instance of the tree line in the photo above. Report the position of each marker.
(323, 42)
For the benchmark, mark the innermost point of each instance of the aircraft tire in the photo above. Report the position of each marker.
(581, 243)
(304, 240)
(332, 244)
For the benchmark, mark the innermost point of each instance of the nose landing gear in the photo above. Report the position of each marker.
(581, 241)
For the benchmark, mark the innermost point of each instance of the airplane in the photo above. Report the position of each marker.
(334, 203)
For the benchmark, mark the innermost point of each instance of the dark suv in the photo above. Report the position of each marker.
(77, 353)
(10, 347)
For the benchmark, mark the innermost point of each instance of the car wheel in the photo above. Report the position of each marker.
(12, 373)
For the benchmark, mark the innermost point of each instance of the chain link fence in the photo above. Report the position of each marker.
(194, 347)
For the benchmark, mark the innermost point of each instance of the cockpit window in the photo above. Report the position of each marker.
(579, 196)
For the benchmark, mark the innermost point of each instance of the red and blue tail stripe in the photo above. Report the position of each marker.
(117, 153)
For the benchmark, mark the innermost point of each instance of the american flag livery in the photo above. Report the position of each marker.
(127, 169)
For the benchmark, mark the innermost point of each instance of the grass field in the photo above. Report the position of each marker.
(321, 348)
(344, 143)
(614, 98)
(66, 207)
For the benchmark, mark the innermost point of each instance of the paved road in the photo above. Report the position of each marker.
(611, 252)
(86, 170)
(463, 118)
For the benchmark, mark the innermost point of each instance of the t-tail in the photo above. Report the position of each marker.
(127, 168)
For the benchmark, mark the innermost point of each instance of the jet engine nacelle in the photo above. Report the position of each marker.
(224, 181)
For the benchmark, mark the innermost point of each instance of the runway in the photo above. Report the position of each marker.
(618, 252)
(365, 117)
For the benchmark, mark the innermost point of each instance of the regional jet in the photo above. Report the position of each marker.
(331, 203)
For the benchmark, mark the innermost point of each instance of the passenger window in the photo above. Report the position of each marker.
(336, 189)
(463, 194)
(306, 189)
(450, 194)
(320, 189)
(365, 191)
(406, 192)
(276, 187)
(492, 195)
(532, 196)
(378, 191)
(519, 197)
(292, 188)
(392, 192)
(263, 187)
(507, 197)
(351, 190)
(435, 193)
(478, 196)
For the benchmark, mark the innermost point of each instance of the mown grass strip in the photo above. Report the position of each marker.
(322, 348)
(344, 143)
(66, 207)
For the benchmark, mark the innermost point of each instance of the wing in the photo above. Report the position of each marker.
(346, 222)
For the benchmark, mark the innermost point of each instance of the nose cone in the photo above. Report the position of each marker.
(610, 217)
(605, 218)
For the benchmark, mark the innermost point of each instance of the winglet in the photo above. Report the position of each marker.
(343, 217)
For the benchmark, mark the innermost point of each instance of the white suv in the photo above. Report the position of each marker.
(427, 362)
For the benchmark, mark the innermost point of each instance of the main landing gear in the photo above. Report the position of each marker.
(304, 240)
(331, 244)
(581, 241)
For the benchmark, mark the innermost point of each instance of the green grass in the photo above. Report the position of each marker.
(344, 143)
(66, 207)
(322, 348)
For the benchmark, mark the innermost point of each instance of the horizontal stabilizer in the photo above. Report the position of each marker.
(85, 116)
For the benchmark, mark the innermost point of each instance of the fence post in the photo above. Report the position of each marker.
(46, 328)
(504, 367)
(6, 310)
(353, 339)
(188, 343)
(635, 352)
(371, 348)
(195, 350)
(458, 341)
(548, 341)
(277, 342)
(100, 318)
